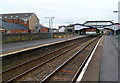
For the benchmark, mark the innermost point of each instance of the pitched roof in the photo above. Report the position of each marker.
(43, 26)
(12, 26)
(16, 15)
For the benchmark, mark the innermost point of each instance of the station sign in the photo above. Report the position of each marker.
(91, 30)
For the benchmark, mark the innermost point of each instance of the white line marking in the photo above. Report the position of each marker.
(86, 65)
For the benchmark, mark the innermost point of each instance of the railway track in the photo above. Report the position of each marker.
(70, 69)
(28, 66)
(20, 57)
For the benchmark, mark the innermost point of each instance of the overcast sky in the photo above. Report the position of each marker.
(64, 11)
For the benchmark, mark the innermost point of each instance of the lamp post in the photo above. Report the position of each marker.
(115, 26)
(50, 25)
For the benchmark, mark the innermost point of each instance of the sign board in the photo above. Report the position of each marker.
(90, 30)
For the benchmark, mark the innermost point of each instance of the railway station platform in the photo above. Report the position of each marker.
(105, 64)
(109, 60)
(11, 47)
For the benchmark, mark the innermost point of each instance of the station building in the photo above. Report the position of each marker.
(78, 28)
(26, 20)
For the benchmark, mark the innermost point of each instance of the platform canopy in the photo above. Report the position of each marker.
(79, 27)
(113, 27)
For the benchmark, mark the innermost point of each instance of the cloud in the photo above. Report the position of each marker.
(63, 10)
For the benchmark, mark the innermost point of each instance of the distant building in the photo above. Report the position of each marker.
(78, 28)
(69, 28)
(61, 29)
(44, 29)
(29, 20)
(54, 30)
(12, 28)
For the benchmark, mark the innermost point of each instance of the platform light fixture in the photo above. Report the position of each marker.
(118, 21)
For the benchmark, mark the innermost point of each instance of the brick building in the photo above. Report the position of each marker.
(12, 28)
(44, 29)
(29, 20)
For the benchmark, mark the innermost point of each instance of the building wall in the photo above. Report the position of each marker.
(17, 21)
(7, 38)
(25, 23)
(44, 30)
(69, 29)
(33, 21)
(16, 31)
(9, 20)
(62, 29)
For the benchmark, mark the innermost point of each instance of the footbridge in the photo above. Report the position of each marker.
(98, 24)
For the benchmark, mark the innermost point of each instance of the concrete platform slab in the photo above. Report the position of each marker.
(109, 62)
(11, 47)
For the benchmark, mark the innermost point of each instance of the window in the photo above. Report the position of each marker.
(70, 30)
(16, 16)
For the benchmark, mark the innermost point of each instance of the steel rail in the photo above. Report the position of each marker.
(38, 57)
(83, 67)
(47, 77)
(38, 66)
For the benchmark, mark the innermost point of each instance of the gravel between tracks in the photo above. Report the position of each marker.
(26, 56)
(67, 72)
(9, 74)
(42, 71)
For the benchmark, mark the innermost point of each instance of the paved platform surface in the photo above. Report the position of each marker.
(10, 47)
(109, 62)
